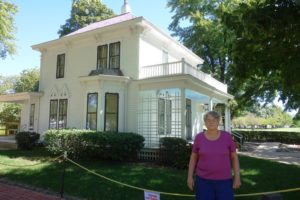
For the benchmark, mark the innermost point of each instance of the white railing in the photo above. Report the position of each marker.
(180, 67)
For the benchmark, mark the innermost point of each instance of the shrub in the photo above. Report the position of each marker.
(272, 136)
(27, 140)
(85, 144)
(175, 152)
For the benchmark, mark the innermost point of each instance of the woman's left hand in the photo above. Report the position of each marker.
(236, 182)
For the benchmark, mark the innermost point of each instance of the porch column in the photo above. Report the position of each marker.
(227, 118)
(183, 112)
(210, 104)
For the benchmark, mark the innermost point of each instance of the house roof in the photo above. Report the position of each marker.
(119, 20)
(104, 23)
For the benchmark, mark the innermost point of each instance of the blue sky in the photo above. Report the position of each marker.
(38, 21)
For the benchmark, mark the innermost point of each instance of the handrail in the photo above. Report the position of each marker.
(239, 136)
(180, 67)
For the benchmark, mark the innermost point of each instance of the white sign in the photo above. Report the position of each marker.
(151, 195)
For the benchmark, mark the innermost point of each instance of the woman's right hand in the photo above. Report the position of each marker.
(190, 183)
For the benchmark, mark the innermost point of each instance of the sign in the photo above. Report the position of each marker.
(151, 195)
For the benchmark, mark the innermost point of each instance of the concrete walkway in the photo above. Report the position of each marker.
(10, 192)
(273, 151)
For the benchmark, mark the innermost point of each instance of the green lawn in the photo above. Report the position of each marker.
(257, 176)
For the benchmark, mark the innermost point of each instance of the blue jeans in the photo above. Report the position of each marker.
(213, 189)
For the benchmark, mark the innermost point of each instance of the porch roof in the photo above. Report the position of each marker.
(186, 81)
(19, 97)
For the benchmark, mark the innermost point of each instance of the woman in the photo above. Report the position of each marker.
(213, 155)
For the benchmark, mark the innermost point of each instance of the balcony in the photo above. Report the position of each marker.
(180, 67)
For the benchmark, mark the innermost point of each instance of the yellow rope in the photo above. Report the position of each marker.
(173, 194)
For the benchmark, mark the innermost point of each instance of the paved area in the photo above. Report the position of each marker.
(274, 151)
(10, 192)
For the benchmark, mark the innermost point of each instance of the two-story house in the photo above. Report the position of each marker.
(121, 74)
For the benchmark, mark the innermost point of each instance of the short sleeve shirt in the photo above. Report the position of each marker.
(214, 161)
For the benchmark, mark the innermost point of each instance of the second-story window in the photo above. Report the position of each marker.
(114, 55)
(108, 56)
(102, 57)
(60, 66)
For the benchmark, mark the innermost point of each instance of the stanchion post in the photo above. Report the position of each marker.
(63, 175)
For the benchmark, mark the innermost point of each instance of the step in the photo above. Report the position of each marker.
(6, 145)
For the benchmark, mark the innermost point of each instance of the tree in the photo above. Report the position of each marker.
(266, 52)
(7, 13)
(7, 83)
(269, 115)
(198, 25)
(28, 81)
(9, 113)
(84, 12)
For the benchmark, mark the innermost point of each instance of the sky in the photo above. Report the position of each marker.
(38, 21)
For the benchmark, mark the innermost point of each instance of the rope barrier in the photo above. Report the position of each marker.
(144, 189)
(126, 185)
(174, 194)
(30, 165)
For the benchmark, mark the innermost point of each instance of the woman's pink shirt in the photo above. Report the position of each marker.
(214, 161)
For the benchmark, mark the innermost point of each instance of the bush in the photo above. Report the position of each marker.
(86, 144)
(175, 152)
(27, 140)
(272, 136)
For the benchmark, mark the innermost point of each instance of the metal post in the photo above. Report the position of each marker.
(63, 175)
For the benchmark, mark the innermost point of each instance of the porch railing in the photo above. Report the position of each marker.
(180, 67)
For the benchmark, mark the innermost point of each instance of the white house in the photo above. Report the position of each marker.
(121, 74)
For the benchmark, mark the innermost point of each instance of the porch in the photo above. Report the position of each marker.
(29, 102)
(180, 67)
(176, 112)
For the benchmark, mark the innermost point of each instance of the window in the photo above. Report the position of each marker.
(188, 119)
(164, 116)
(53, 114)
(102, 57)
(111, 112)
(58, 114)
(165, 56)
(31, 116)
(161, 116)
(168, 116)
(60, 66)
(114, 56)
(62, 116)
(92, 106)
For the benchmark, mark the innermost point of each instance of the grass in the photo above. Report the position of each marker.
(257, 176)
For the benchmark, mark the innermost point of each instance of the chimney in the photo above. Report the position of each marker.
(125, 8)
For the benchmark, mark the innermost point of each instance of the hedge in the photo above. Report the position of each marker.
(271, 136)
(86, 144)
(175, 152)
(27, 140)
